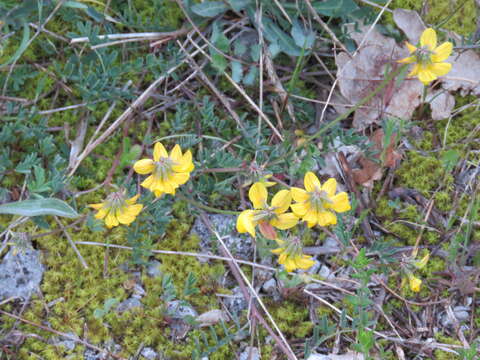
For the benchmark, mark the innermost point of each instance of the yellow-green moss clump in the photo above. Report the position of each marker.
(458, 16)
(77, 292)
(422, 173)
(292, 318)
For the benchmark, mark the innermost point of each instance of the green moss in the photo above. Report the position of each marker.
(292, 319)
(462, 20)
(444, 355)
(459, 128)
(422, 173)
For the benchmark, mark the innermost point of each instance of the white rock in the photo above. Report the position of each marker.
(250, 353)
(211, 317)
(269, 286)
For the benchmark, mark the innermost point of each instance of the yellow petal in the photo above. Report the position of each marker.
(414, 71)
(281, 201)
(304, 262)
(440, 69)
(278, 251)
(300, 209)
(134, 210)
(311, 224)
(132, 200)
(311, 216)
(311, 181)
(299, 195)
(326, 218)
(415, 283)
(102, 213)
(407, 60)
(159, 151)
(111, 220)
(411, 48)
(283, 258)
(245, 222)
(290, 265)
(176, 154)
(258, 195)
(144, 166)
(285, 221)
(124, 217)
(442, 52)
(340, 202)
(426, 76)
(185, 164)
(429, 39)
(158, 193)
(148, 182)
(180, 178)
(96, 206)
(330, 186)
(167, 187)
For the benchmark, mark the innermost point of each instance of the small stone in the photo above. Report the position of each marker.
(269, 286)
(149, 353)
(129, 304)
(239, 245)
(331, 243)
(153, 269)
(179, 310)
(236, 302)
(461, 313)
(212, 317)
(250, 353)
(67, 343)
(21, 273)
(325, 272)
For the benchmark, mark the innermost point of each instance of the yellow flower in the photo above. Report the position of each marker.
(168, 171)
(291, 255)
(429, 58)
(264, 215)
(415, 283)
(318, 203)
(117, 210)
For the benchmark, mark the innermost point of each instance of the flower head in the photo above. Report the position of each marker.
(415, 283)
(117, 210)
(168, 172)
(318, 203)
(291, 255)
(266, 216)
(428, 57)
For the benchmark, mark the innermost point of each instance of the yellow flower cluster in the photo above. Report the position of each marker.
(168, 172)
(117, 210)
(316, 205)
(428, 57)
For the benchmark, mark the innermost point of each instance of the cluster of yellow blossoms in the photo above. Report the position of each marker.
(316, 204)
(168, 172)
(428, 57)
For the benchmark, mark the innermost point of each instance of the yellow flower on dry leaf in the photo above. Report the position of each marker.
(318, 203)
(291, 255)
(117, 210)
(428, 57)
(168, 171)
(415, 283)
(266, 216)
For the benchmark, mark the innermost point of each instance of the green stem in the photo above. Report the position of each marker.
(424, 98)
(207, 208)
(343, 116)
